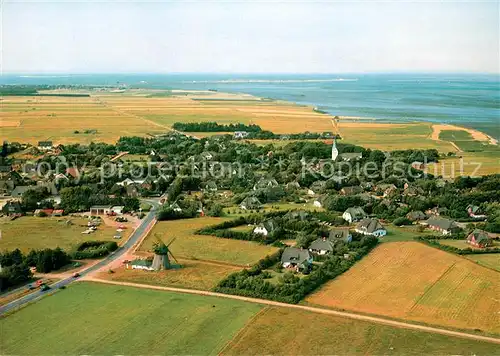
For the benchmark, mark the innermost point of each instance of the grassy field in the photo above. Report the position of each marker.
(99, 319)
(463, 244)
(490, 260)
(465, 141)
(280, 331)
(203, 247)
(193, 275)
(30, 119)
(28, 232)
(412, 281)
(467, 163)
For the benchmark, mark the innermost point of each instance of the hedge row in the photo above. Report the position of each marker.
(94, 249)
(252, 282)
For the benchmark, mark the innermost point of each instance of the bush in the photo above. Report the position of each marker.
(402, 221)
(94, 249)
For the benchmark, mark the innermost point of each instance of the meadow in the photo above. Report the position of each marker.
(192, 274)
(490, 260)
(88, 318)
(281, 331)
(190, 246)
(145, 112)
(467, 163)
(412, 281)
(28, 232)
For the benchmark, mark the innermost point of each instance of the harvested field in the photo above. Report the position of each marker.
(467, 163)
(202, 247)
(275, 331)
(412, 281)
(97, 319)
(193, 275)
(142, 112)
(27, 233)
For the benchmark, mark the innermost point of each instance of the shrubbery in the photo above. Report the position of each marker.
(94, 249)
(252, 282)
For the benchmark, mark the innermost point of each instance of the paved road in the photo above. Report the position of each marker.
(349, 315)
(136, 236)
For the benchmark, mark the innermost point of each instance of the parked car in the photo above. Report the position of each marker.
(76, 275)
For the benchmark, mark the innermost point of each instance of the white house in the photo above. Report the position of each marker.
(265, 228)
(117, 209)
(371, 227)
(240, 134)
(317, 204)
(141, 264)
(354, 214)
(100, 210)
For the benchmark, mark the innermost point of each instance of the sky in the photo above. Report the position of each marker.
(249, 37)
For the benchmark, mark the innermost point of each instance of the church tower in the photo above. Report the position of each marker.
(335, 151)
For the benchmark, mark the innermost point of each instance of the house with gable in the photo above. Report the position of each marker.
(371, 227)
(297, 258)
(479, 238)
(354, 214)
(475, 212)
(250, 203)
(321, 246)
(445, 226)
(266, 227)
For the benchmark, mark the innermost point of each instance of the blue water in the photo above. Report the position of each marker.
(471, 100)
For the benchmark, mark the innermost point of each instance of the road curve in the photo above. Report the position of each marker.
(136, 236)
(361, 317)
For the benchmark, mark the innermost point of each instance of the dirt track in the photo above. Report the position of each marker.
(367, 318)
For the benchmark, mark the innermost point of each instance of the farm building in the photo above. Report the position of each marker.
(141, 264)
(297, 258)
(479, 238)
(350, 156)
(100, 209)
(371, 227)
(265, 228)
(354, 214)
(250, 203)
(442, 225)
(321, 246)
(416, 215)
(340, 235)
(475, 212)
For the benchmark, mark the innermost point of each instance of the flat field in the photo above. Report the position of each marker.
(28, 232)
(462, 244)
(203, 247)
(193, 274)
(88, 318)
(412, 281)
(280, 331)
(31, 119)
(467, 163)
(490, 260)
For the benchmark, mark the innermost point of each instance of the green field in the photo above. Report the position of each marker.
(279, 331)
(97, 319)
(27, 233)
(490, 260)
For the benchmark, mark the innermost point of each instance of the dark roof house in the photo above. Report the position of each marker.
(296, 257)
(250, 203)
(479, 238)
(371, 227)
(445, 226)
(340, 235)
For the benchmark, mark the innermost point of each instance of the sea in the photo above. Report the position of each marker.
(470, 100)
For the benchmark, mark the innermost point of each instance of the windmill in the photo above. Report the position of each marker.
(335, 151)
(161, 259)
